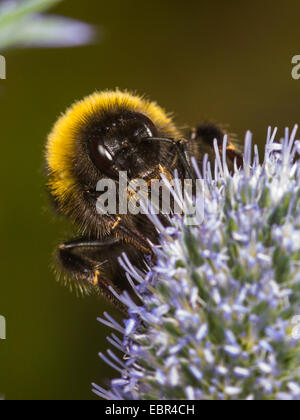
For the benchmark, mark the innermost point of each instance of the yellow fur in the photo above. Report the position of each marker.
(60, 149)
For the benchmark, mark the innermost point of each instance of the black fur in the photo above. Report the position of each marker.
(126, 137)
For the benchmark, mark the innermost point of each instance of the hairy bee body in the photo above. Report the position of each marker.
(97, 138)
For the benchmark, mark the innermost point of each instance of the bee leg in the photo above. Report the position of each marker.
(117, 222)
(180, 148)
(182, 153)
(94, 264)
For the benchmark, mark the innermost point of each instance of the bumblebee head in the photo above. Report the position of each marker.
(122, 142)
(96, 138)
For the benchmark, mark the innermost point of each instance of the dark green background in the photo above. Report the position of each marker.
(226, 61)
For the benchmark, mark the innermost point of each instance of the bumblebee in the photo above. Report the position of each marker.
(95, 139)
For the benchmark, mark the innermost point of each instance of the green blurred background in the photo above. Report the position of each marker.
(224, 61)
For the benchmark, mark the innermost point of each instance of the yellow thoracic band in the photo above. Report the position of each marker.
(61, 150)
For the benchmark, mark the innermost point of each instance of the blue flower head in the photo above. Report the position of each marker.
(219, 318)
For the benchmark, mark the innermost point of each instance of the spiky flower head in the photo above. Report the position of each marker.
(219, 318)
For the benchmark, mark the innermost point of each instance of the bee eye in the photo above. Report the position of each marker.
(144, 129)
(122, 143)
(101, 157)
